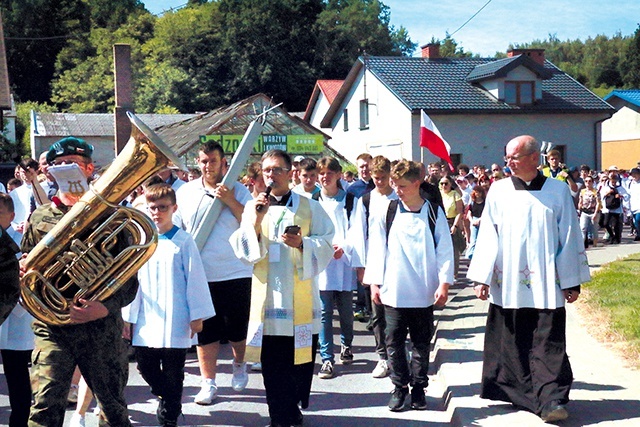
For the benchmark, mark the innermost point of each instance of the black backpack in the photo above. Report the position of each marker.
(612, 201)
(433, 216)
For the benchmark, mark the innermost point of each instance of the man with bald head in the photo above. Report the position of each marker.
(529, 260)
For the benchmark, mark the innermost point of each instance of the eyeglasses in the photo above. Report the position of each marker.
(442, 184)
(275, 171)
(516, 157)
(159, 208)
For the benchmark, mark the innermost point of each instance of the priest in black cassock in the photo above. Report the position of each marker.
(530, 261)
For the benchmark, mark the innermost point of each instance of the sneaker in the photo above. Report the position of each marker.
(326, 370)
(77, 420)
(256, 367)
(72, 397)
(240, 377)
(381, 370)
(207, 392)
(346, 356)
(418, 399)
(360, 316)
(396, 403)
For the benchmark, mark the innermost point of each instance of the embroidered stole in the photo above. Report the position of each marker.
(302, 295)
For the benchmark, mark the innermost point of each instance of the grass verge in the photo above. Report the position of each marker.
(612, 302)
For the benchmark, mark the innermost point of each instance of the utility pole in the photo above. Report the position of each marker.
(123, 92)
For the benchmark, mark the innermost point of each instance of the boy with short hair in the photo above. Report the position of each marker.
(409, 268)
(308, 178)
(368, 207)
(169, 308)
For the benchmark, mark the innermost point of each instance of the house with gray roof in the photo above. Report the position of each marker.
(478, 104)
(621, 133)
(96, 129)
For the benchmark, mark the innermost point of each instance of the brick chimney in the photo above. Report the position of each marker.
(431, 50)
(536, 54)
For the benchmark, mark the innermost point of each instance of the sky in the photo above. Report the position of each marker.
(501, 22)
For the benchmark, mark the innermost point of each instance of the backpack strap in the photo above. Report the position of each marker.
(391, 214)
(348, 204)
(433, 216)
(316, 196)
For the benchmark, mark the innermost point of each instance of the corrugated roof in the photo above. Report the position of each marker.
(630, 95)
(5, 91)
(440, 86)
(83, 125)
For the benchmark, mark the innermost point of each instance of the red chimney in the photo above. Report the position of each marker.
(431, 50)
(536, 54)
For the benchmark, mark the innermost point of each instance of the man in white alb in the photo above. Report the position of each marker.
(529, 260)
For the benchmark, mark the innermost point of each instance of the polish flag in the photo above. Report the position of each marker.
(431, 139)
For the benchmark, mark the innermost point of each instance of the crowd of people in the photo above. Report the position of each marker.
(296, 239)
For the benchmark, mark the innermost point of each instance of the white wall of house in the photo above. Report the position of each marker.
(389, 132)
(623, 125)
(319, 110)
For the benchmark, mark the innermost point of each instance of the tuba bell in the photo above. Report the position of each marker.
(82, 257)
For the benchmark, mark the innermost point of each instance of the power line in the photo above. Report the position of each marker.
(47, 38)
(473, 16)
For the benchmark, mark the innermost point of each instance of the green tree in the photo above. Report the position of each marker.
(85, 83)
(35, 32)
(23, 120)
(630, 69)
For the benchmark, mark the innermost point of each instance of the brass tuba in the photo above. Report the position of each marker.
(83, 255)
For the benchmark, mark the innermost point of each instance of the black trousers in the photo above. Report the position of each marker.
(16, 371)
(418, 322)
(613, 224)
(163, 370)
(286, 384)
(525, 360)
(378, 325)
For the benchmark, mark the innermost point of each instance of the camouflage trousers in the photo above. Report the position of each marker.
(98, 350)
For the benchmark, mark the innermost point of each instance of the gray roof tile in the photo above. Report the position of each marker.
(440, 85)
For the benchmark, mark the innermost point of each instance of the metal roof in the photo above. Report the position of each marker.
(632, 96)
(84, 125)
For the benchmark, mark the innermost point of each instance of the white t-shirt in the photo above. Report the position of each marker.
(220, 263)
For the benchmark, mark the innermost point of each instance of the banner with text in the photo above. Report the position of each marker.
(292, 144)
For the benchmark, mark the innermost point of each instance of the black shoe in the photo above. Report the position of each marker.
(418, 400)
(396, 403)
(554, 412)
(637, 238)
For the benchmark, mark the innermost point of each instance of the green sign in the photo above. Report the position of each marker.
(292, 144)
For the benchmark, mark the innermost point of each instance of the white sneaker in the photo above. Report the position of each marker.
(240, 377)
(207, 393)
(381, 370)
(256, 367)
(77, 420)
(72, 397)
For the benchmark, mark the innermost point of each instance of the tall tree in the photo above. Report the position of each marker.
(35, 32)
(631, 67)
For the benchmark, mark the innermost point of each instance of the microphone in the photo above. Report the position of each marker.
(259, 208)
